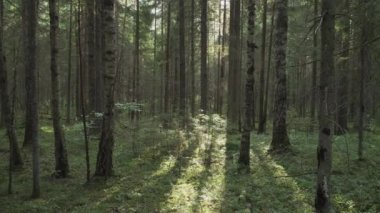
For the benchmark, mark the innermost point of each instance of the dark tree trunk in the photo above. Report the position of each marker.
(314, 89)
(364, 73)
(106, 144)
(8, 116)
(234, 74)
(31, 119)
(249, 86)
(192, 62)
(261, 128)
(69, 64)
(204, 56)
(81, 94)
(280, 139)
(167, 71)
(326, 107)
(267, 80)
(61, 162)
(90, 36)
(182, 62)
(342, 98)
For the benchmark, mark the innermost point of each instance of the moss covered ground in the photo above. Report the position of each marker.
(159, 170)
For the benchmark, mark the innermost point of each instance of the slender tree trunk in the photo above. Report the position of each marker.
(280, 139)
(249, 88)
(261, 128)
(104, 159)
(364, 73)
(342, 98)
(192, 62)
(61, 162)
(314, 90)
(204, 55)
(69, 59)
(154, 60)
(90, 36)
(167, 71)
(234, 78)
(269, 61)
(31, 120)
(8, 116)
(182, 59)
(81, 94)
(326, 107)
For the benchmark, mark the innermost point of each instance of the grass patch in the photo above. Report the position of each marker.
(159, 170)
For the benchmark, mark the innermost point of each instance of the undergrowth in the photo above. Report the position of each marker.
(194, 170)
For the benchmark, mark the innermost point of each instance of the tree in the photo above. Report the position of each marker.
(90, 34)
(69, 65)
(342, 87)
(249, 86)
(31, 118)
(8, 118)
(364, 72)
(280, 139)
(192, 62)
(204, 56)
(261, 128)
(269, 63)
(104, 158)
(314, 90)
(234, 74)
(61, 162)
(326, 107)
(182, 59)
(167, 68)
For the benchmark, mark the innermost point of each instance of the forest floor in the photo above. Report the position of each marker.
(160, 170)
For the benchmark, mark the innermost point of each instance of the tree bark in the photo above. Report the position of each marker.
(234, 76)
(261, 128)
(314, 90)
(342, 98)
(8, 116)
(31, 119)
(326, 107)
(280, 139)
(61, 162)
(249, 88)
(182, 59)
(106, 144)
(269, 61)
(204, 56)
(192, 62)
(69, 64)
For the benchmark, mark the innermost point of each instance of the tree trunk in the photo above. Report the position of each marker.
(31, 119)
(182, 59)
(342, 98)
(80, 92)
(167, 71)
(280, 139)
(261, 128)
(249, 86)
(364, 73)
(90, 36)
(314, 69)
(267, 81)
(326, 107)
(234, 78)
(61, 162)
(8, 116)
(192, 62)
(104, 158)
(204, 55)
(68, 98)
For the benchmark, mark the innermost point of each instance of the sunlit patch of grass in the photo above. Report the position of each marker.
(47, 129)
(190, 171)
